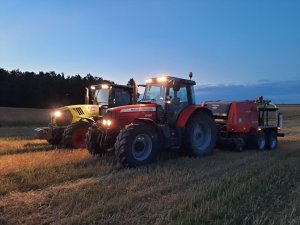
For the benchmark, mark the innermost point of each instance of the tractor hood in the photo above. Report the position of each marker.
(123, 115)
(66, 115)
(87, 109)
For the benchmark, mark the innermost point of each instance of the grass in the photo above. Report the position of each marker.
(42, 177)
(42, 184)
(23, 116)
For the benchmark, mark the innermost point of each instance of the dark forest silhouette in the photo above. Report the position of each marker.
(42, 90)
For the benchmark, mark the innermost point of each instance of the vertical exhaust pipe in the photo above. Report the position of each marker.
(87, 97)
(132, 83)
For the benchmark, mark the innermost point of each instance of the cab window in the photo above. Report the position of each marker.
(180, 96)
(119, 97)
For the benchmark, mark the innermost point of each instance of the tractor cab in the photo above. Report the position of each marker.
(112, 95)
(171, 95)
(108, 95)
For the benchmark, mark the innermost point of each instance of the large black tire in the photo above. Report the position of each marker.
(261, 142)
(92, 143)
(239, 144)
(54, 141)
(56, 137)
(137, 145)
(200, 135)
(74, 135)
(272, 141)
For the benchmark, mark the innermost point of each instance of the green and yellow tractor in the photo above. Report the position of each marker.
(69, 124)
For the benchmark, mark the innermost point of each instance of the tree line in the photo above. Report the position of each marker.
(43, 89)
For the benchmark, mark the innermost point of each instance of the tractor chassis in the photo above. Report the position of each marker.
(50, 133)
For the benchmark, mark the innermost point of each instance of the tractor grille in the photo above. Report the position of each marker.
(79, 111)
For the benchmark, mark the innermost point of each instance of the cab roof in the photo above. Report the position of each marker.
(113, 84)
(163, 79)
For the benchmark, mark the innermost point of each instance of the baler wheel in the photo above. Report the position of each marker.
(136, 145)
(272, 140)
(239, 144)
(200, 134)
(92, 143)
(261, 141)
(74, 135)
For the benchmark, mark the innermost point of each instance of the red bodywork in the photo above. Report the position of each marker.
(126, 114)
(186, 114)
(239, 117)
(242, 117)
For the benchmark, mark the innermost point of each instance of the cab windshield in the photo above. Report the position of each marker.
(156, 93)
(112, 97)
(119, 97)
(101, 97)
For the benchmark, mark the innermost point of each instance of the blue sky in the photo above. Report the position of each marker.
(224, 43)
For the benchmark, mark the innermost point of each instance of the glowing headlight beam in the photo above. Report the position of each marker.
(57, 113)
(106, 122)
(161, 79)
(104, 86)
(149, 81)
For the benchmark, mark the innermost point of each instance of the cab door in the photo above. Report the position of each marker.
(178, 100)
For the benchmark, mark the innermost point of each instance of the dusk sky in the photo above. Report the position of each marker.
(253, 45)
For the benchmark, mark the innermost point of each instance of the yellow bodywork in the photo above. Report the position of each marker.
(66, 115)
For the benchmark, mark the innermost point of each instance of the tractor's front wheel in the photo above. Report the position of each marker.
(74, 135)
(136, 145)
(92, 142)
(261, 141)
(200, 136)
(56, 137)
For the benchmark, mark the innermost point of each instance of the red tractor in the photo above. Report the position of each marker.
(247, 124)
(166, 118)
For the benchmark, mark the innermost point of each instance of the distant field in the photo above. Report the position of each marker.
(23, 116)
(41, 184)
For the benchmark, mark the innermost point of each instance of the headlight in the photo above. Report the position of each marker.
(161, 79)
(104, 86)
(106, 122)
(57, 113)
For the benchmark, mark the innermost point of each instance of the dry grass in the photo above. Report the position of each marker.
(44, 185)
(9, 146)
(40, 160)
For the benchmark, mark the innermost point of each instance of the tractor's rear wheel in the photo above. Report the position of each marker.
(92, 143)
(136, 145)
(272, 140)
(74, 135)
(200, 136)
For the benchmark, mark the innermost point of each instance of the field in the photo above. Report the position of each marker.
(41, 184)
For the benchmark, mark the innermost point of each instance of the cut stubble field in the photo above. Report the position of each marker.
(41, 184)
